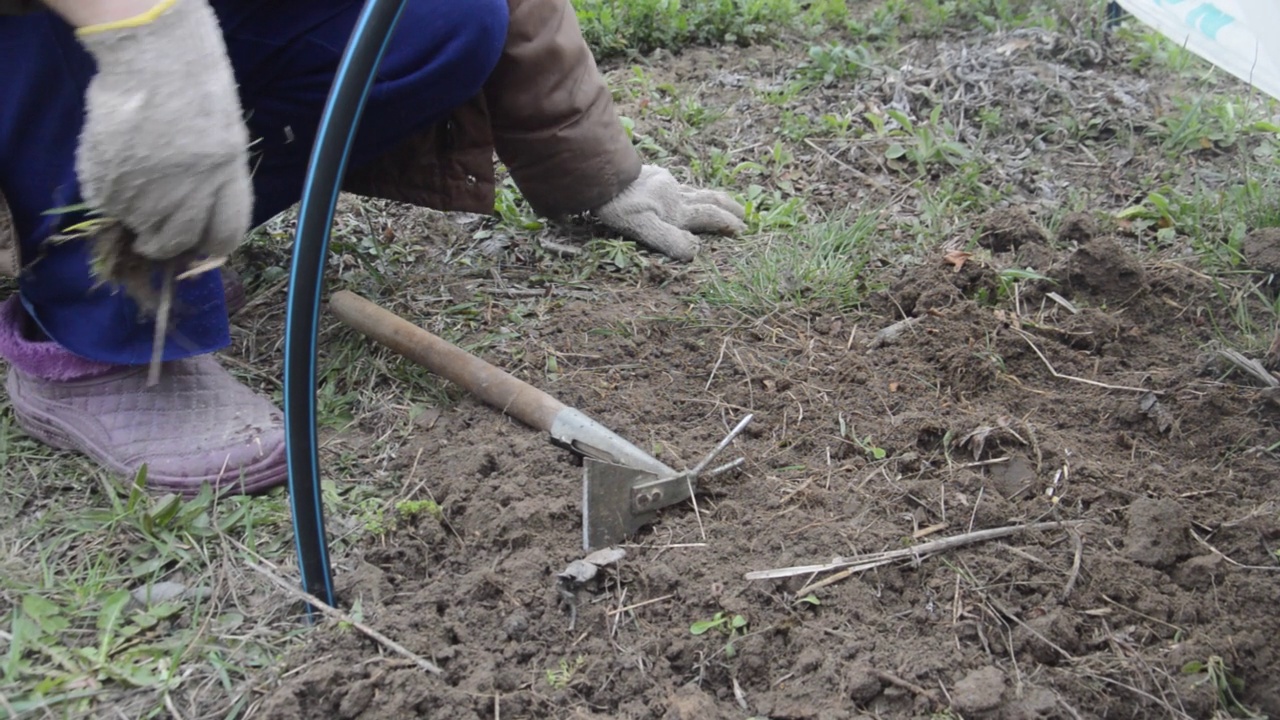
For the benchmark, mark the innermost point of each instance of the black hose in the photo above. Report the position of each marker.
(329, 155)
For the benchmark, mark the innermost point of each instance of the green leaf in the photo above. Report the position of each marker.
(39, 608)
(47, 615)
(703, 626)
(109, 619)
(1133, 212)
(23, 628)
(738, 622)
(1193, 667)
(895, 151)
(166, 508)
(67, 209)
(902, 119)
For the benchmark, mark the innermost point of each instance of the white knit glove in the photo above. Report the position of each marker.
(164, 149)
(660, 213)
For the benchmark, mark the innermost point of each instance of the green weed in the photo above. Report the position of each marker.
(922, 145)
(560, 677)
(731, 626)
(1226, 686)
(835, 62)
(639, 26)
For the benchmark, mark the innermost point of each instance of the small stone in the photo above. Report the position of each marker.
(579, 571)
(157, 593)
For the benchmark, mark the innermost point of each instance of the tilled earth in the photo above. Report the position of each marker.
(1093, 399)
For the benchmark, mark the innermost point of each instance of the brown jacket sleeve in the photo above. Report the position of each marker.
(554, 123)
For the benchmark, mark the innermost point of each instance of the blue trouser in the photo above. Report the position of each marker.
(285, 53)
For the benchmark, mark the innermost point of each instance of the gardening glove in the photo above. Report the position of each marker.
(164, 149)
(660, 213)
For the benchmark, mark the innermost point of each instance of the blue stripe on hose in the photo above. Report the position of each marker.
(304, 468)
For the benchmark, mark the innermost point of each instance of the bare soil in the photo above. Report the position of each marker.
(995, 405)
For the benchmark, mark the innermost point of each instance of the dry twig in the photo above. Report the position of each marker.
(1095, 383)
(908, 685)
(1078, 545)
(336, 614)
(638, 605)
(1224, 556)
(915, 553)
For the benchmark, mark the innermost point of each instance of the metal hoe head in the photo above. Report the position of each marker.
(622, 495)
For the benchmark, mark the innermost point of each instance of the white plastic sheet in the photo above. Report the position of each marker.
(1240, 36)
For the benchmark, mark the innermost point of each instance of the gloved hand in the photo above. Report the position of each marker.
(164, 149)
(660, 213)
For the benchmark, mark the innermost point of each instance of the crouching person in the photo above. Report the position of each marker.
(188, 122)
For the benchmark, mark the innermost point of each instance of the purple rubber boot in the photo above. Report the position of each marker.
(197, 425)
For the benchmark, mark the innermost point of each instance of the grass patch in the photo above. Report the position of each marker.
(125, 596)
(818, 267)
(615, 27)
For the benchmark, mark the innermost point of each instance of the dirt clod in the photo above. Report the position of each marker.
(1008, 229)
(1158, 532)
(1046, 637)
(1261, 249)
(981, 691)
(1201, 572)
(516, 625)
(1077, 228)
(1102, 268)
(1036, 703)
(690, 703)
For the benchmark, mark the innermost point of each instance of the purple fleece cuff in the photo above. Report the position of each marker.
(46, 360)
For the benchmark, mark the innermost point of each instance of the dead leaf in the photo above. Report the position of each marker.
(428, 418)
(927, 531)
(1013, 46)
(957, 258)
(893, 387)
(976, 440)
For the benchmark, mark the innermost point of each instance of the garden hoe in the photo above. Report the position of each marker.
(623, 487)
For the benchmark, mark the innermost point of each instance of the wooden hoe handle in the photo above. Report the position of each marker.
(491, 384)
